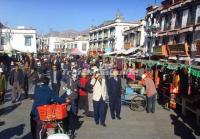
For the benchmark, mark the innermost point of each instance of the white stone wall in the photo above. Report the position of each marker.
(17, 40)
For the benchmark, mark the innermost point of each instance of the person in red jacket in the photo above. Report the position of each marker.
(83, 97)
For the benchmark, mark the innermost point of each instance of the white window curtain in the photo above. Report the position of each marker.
(173, 21)
(184, 18)
(162, 23)
(197, 13)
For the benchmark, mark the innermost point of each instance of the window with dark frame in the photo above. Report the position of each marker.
(3, 40)
(84, 45)
(28, 40)
(191, 16)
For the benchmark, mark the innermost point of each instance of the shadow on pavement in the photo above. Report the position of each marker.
(189, 119)
(8, 109)
(27, 136)
(2, 123)
(180, 129)
(72, 123)
(11, 132)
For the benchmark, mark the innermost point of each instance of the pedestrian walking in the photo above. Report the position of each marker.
(26, 81)
(2, 86)
(33, 80)
(56, 76)
(17, 82)
(114, 93)
(72, 84)
(99, 98)
(83, 97)
(151, 93)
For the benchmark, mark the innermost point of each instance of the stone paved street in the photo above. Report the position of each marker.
(14, 123)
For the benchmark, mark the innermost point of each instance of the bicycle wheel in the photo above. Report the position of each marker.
(138, 103)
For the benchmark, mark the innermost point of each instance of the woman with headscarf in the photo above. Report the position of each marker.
(83, 97)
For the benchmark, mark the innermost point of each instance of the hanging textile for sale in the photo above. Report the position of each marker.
(119, 64)
(157, 79)
(175, 83)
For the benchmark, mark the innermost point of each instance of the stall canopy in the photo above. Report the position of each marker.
(110, 53)
(138, 54)
(131, 50)
(76, 51)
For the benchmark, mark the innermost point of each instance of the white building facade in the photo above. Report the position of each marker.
(20, 39)
(80, 42)
(135, 36)
(109, 35)
(63, 45)
(57, 44)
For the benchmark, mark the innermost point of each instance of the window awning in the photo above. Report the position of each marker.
(131, 50)
(188, 29)
(172, 32)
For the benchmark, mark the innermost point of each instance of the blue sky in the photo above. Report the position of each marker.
(61, 15)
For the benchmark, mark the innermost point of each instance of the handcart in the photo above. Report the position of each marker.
(134, 96)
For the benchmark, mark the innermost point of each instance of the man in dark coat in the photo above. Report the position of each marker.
(43, 95)
(114, 93)
(17, 81)
(56, 76)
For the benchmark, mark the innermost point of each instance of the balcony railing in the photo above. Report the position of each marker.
(100, 46)
(177, 49)
(160, 50)
(105, 46)
(100, 36)
(106, 35)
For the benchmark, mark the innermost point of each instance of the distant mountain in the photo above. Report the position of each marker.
(67, 34)
(2, 25)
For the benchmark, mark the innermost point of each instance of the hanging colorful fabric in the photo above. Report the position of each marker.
(194, 72)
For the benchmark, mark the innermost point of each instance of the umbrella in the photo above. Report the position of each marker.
(76, 51)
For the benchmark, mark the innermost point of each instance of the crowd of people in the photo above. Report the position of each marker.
(93, 83)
